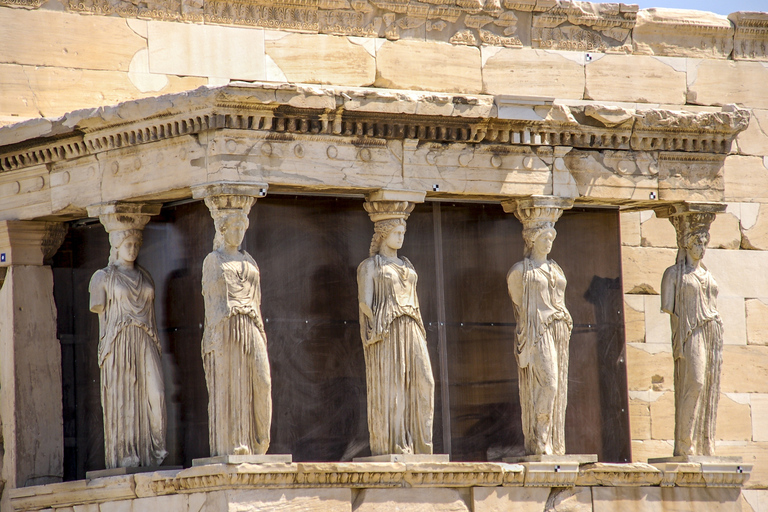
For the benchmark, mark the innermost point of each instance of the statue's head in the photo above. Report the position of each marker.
(389, 232)
(125, 245)
(230, 228)
(540, 236)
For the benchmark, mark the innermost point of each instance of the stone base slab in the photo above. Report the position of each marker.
(695, 458)
(704, 474)
(579, 458)
(406, 458)
(103, 473)
(272, 458)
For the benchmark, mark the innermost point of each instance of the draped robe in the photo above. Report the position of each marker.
(401, 388)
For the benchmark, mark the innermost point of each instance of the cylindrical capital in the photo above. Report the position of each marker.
(384, 204)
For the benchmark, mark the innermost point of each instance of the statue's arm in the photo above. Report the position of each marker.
(98, 292)
(668, 283)
(515, 283)
(365, 287)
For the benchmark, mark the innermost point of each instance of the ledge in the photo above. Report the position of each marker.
(319, 475)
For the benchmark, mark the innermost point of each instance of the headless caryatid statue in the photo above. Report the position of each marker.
(132, 388)
(401, 388)
(689, 295)
(234, 343)
(537, 288)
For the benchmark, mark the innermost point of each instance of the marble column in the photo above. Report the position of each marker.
(32, 442)
(129, 352)
(536, 286)
(234, 345)
(689, 296)
(399, 379)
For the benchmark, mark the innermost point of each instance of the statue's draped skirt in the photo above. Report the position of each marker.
(132, 389)
(401, 388)
(543, 339)
(235, 357)
(697, 342)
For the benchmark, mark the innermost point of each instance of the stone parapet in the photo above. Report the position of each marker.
(258, 479)
(750, 41)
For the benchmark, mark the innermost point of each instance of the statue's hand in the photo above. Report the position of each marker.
(366, 310)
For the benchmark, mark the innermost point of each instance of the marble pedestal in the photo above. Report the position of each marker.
(404, 457)
(577, 458)
(272, 458)
(102, 473)
(695, 458)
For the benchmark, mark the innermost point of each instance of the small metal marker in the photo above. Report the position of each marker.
(652, 195)
(2, 257)
(557, 468)
(435, 188)
(262, 192)
(588, 57)
(739, 469)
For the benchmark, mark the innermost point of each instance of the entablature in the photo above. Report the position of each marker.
(353, 140)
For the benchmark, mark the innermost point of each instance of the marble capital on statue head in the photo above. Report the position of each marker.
(225, 198)
(690, 219)
(118, 216)
(387, 204)
(537, 213)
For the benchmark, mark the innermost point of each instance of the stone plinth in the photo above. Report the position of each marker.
(404, 458)
(328, 486)
(579, 458)
(271, 458)
(104, 473)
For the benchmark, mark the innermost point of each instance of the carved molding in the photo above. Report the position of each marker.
(25, 242)
(241, 108)
(750, 41)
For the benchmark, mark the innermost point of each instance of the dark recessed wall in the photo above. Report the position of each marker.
(308, 249)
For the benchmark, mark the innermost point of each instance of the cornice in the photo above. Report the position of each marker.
(370, 115)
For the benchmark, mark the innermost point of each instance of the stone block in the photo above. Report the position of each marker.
(639, 419)
(690, 177)
(116, 506)
(649, 366)
(529, 72)
(634, 318)
(757, 322)
(172, 503)
(469, 170)
(657, 327)
(754, 140)
(756, 235)
(657, 232)
(318, 59)
(630, 228)
(755, 453)
(662, 499)
(437, 66)
(197, 50)
(28, 189)
(612, 174)
(643, 267)
(746, 178)
(738, 273)
(682, 33)
(500, 499)
(759, 405)
(734, 421)
(642, 450)
(744, 369)
(719, 82)
(725, 233)
(28, 91)
(663, 417)
(411, 500)
(732, 312)
(67, 40)
(305, 500)
(636, 78)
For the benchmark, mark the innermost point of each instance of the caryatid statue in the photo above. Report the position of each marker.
(689, 295)
(132, 388)
(234, 346)
(537, 288)
(401, 388)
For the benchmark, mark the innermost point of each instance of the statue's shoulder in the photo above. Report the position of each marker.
(367, 266)
(98, 278)
(517, 269)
